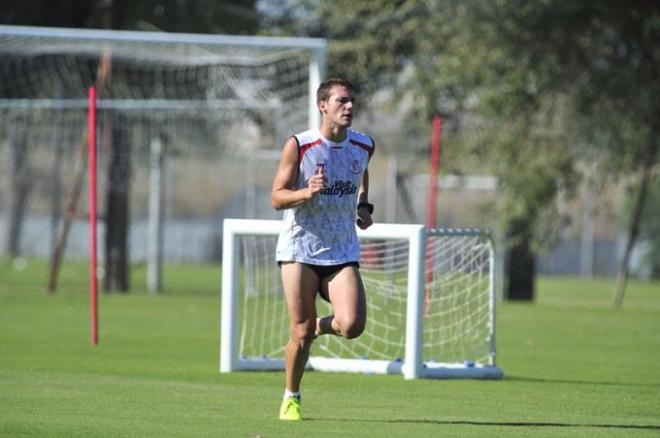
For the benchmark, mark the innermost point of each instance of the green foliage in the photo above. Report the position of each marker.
(528, 89)
(363, 46)
(67, 13)
(195, 16)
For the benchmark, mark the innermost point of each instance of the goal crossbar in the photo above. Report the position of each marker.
(31, 41)
(167, 37)
(411, 366)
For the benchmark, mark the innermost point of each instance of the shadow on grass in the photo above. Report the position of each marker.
(578, 382)
(495, 423)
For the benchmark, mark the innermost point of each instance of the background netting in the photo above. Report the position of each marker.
(217, 112)
(457, 315)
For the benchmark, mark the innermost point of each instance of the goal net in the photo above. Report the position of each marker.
(430, 304)
(204, 109)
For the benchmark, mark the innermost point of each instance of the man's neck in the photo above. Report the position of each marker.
(336, 134)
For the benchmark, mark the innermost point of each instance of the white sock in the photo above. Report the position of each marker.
(288, 394)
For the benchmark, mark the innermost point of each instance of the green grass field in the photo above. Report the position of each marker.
(573, 365)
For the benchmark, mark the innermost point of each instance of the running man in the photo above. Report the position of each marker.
(322, 183)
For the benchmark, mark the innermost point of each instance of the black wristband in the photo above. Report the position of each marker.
(369, 207)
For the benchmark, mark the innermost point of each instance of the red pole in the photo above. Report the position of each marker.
(431, 219)
(93, 283)
(435, 162)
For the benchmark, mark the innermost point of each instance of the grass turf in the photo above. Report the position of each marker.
(573, 365)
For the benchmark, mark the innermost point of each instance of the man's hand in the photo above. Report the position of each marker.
(363, 220)
(316, 183)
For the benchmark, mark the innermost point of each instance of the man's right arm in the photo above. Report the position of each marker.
(282, 194)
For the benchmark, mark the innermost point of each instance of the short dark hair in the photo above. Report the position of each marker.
(323, 92)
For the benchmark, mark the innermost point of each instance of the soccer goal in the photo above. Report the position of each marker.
(430, 304)
(175, 111)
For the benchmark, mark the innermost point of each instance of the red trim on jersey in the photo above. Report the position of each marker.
(364, 146)
(305, 147)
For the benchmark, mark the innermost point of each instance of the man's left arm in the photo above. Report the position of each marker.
(364, 208)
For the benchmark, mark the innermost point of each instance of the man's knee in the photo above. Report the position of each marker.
(303, 332)
(350, 328)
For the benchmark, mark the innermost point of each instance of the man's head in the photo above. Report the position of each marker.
(335, 100)
(323, 92)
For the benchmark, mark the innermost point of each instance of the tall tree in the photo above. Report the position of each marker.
(543, 84)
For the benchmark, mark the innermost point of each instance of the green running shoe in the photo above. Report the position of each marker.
(290, 409)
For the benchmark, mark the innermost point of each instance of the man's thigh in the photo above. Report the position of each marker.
(300, 286)
(346, 293)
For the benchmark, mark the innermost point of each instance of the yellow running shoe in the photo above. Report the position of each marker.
(290, 409)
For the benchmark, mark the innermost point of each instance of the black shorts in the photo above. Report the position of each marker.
(323, 271)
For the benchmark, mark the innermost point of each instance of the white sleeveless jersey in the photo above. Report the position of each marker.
(322, 230)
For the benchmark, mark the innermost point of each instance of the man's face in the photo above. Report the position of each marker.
(338, 109)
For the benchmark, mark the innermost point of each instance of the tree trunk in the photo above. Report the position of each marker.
(520, 261)
(633, 231)
(102, 81)
(56, 173)
(117, 211)
(18, 185)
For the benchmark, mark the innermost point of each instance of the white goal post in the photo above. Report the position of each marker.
(430, 303)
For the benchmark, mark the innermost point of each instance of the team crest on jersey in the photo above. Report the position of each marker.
(356, 167)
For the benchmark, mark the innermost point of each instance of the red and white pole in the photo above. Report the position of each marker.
(93, 282)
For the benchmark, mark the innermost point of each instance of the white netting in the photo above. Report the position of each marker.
(217, 108)
(457, 318)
